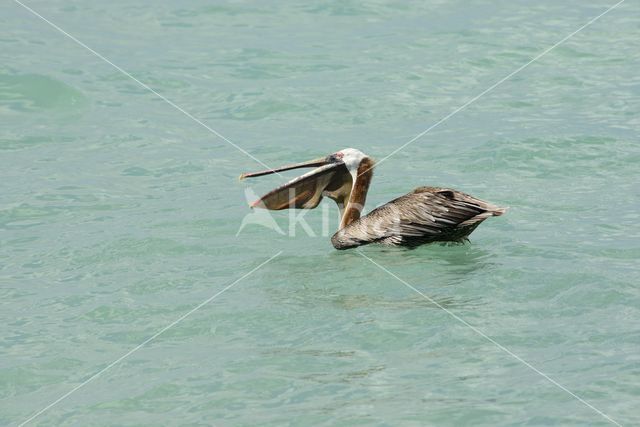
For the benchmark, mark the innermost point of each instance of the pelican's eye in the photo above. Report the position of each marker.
(335, 157)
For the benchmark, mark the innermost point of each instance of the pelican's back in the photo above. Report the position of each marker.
(426, 215)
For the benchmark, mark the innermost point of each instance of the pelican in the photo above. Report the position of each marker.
(425, 215)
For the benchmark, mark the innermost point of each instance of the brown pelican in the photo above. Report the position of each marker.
(426, 215)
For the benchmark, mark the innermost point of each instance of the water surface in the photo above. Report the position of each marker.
(119, 214)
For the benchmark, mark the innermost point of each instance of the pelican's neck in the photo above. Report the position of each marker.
(361, 182)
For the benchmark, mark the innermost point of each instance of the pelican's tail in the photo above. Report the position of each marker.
(498, 211)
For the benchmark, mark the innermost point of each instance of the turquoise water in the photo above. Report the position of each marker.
(119, 214)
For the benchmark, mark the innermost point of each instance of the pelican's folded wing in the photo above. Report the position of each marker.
(426, 215)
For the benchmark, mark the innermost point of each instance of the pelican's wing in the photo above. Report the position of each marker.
(426, 215)
(305, 191)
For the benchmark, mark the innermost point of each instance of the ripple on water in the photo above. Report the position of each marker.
(554, 157)
(31, 141)
(35, 92)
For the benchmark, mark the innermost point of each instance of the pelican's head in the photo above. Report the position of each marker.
(350, 157)
(332, 173)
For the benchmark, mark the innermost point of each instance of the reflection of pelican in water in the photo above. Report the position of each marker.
(426, 215)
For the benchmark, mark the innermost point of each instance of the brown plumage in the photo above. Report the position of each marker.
(426, 215)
